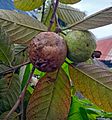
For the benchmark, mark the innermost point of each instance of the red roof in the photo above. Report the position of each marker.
(105, 46)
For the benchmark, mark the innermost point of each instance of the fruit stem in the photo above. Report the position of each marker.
(55, 6)
(21, 97)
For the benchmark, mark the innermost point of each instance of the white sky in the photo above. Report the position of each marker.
(92, 6)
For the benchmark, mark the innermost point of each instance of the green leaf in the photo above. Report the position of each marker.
(86, 110)
(69, 14)
(77, 112)
(20, 28)
(19, 48)
(74, 112)
(69, 1)
(6, 49)
(9, 91)
(47, 18)
(30, 89)
(13, 116)
(28, 5)
(83, 113)
(65, 68)
(25, 76)
(99, 19)
(38, 73)
(108, 115)
(21, 54)
(51, 98)
(3, 68)
(95, 83)
(26, 100)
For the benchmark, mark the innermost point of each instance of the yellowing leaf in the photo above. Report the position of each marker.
(95, 83)
(51, 98)
(69, 1)
(13, 116)
(28, 5)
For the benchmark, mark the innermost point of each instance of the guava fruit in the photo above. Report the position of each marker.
(47, 51)
(81, 44)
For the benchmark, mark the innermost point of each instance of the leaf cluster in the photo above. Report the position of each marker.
(51, 95)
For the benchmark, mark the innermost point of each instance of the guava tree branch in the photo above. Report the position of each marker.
(58, 29)
(43, 10)
(21, 97)
(14, 68)
(53, 15)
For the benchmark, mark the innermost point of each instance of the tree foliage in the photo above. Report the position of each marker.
(53, 97)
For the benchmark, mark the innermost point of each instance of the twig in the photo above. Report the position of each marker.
(53, 15)
(22, 110)
(14, 68)
(43, 10)
(21, 97)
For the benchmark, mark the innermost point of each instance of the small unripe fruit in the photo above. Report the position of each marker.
(47, 51)
(81, 44)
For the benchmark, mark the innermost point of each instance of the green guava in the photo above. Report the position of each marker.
(81, 44)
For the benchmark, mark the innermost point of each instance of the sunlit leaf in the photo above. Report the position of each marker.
(51, 98)
(74, 110)
(83, 109)
(30, 89)
(20, 28)
(25, 75)
(37, 72)
(95, 83)
(99, 19)
(69, 1)
(69, 14)
(6, 49)
(65, 68)
(9, 91)
(28, 5)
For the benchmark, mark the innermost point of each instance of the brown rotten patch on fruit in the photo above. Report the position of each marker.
(47, 51)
